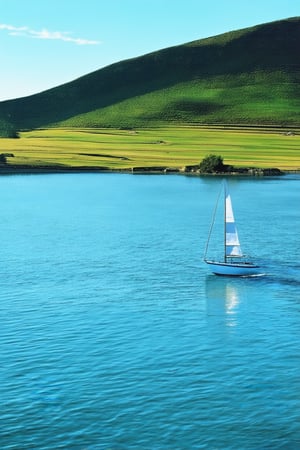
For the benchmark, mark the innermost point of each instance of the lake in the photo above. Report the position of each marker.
(114, 335)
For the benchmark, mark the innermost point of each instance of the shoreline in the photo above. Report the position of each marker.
(188, 170)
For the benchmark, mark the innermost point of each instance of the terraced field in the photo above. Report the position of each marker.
(175, 147)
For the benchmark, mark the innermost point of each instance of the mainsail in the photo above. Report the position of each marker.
(232, 243)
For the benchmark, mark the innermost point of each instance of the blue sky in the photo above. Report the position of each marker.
(45, 43)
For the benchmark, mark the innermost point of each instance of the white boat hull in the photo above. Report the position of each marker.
(242, 269)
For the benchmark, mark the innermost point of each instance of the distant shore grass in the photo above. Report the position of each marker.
(175, 147)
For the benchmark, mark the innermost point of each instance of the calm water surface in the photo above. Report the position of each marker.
(115, 336)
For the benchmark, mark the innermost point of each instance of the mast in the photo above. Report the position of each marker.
(225, 195)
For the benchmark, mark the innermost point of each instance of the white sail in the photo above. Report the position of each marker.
(232, 243)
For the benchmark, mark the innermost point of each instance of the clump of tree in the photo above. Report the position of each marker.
(7, 130)
(3, 158)
(212, 164)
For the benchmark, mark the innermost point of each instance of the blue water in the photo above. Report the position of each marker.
(114, 335)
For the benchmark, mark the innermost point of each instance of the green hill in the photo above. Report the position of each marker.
(250, 77)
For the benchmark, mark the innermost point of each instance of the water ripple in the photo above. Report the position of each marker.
(114, 336)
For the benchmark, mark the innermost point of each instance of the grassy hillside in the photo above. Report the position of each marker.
(249, 76)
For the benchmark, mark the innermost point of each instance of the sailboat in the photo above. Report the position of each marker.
(234, 262)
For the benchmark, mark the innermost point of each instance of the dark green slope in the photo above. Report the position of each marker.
(246, 76)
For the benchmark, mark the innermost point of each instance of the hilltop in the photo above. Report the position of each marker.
(246, 77)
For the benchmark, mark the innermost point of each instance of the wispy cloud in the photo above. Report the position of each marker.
(45, 34)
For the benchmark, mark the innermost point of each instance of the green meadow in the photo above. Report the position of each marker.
(170, 146)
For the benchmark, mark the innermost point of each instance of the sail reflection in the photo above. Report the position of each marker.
(231, 299)
(224, 297)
